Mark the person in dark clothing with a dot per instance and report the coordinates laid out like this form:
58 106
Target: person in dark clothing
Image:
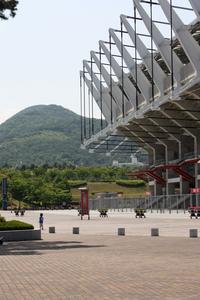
41 221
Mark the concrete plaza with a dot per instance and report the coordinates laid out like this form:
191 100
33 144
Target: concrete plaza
98 264
170 225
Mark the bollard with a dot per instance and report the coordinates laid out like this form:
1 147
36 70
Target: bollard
52 230
121 231
75 230
193 233
154 232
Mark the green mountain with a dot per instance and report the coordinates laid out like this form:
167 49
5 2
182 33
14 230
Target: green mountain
44 134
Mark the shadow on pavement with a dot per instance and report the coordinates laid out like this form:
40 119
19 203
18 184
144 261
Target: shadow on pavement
39 247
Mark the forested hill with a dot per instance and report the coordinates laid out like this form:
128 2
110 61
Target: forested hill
44 134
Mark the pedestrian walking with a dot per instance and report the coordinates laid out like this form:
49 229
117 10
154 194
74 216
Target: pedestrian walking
41 221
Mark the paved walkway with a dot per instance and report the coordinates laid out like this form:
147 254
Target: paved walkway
169 224
96 266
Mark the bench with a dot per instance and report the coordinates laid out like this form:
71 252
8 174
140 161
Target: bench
17 212
194 212
140 213
103 213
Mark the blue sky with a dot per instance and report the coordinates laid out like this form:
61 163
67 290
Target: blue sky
43 47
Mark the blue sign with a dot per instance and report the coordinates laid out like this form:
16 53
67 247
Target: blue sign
4 193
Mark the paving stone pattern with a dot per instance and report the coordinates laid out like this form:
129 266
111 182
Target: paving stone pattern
96 266
100 267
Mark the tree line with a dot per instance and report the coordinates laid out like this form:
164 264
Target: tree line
50 187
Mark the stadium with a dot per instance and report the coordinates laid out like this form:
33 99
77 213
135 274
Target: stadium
145 80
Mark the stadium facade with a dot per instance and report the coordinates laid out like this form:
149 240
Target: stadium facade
145 80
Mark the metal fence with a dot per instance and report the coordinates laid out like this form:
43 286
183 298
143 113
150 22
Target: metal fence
158 203
115 203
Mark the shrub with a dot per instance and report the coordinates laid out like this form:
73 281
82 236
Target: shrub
15 225
2 219
131 183
76 183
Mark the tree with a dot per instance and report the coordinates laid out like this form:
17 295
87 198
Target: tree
39 187
8 5
18 189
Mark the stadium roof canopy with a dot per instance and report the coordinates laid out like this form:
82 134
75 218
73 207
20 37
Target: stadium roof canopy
145 79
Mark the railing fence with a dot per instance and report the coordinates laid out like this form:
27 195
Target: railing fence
160 203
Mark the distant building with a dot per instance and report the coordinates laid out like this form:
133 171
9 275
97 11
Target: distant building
139 158
108 195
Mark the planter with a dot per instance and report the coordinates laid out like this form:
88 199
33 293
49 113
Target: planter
21 235
52 229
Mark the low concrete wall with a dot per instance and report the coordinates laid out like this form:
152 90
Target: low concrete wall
21 235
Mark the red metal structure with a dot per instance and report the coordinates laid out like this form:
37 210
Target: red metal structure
178 168
84 207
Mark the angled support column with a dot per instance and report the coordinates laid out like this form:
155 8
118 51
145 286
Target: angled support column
194 133
196 6
166 146
187 41
151 148
180 124
162 44
146 130
159 75
172 136
92 75
157 142
142 82
188 113
196 141
142 142
193 136
97 98
117 94
129 88
116 147
105 94
98 145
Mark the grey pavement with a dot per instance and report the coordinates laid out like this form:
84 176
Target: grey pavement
98 264
169 224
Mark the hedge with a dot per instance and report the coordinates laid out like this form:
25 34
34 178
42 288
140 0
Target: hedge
77 183
131 183
15 225
2 219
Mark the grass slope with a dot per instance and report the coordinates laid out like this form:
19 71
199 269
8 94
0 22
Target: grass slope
100 187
